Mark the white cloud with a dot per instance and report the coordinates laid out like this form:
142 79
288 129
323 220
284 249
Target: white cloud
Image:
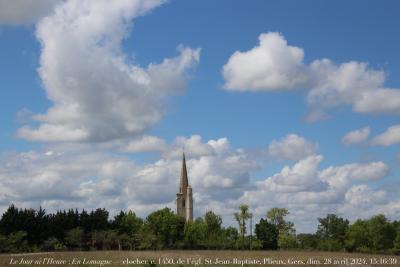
51 132
272 65
356 136
357 206
291 147
390 137
220 145
19 12
302 176
351 83
146 144
195 146
356 196
305 190
275 65
340 177
212 181
83 177
371 101
335 85
97 93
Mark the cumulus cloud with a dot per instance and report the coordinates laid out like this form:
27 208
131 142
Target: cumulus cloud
292 147
390 137
98 94
51 133
334 85
306 189
356 205
275 65
272 65
303 176
195 146
83 177
355 196
371 101
146 144
356 136
341 176
66 177
19 12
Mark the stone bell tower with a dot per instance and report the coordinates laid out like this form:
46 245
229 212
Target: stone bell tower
184 198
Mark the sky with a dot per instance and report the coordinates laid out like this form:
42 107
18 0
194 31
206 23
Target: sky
290 104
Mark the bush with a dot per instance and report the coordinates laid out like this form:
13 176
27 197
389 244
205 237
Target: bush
287 240
60 247
267 233
49 244
256 244
14 242
330 245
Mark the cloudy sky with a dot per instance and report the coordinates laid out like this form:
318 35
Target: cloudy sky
291 104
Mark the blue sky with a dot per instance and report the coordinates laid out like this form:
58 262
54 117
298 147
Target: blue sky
251 119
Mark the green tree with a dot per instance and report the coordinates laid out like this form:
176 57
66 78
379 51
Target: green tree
74 238
130 225
358 236
50 244
213 223
332 232
287 240
307 241
286 230
33 223
230 237
213 230
267 233
374 234
277 217
383 233
107 239
113 240
15 242
166 226
148 239
98 220
396 244
3 243
194 234
99 239
332 227
9 222
241 217
127 242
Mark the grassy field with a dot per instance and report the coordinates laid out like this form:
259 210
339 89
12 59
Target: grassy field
197 258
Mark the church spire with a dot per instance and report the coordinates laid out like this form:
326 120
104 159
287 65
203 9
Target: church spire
184 198
184 177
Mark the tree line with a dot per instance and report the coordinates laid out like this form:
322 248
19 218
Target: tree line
29 230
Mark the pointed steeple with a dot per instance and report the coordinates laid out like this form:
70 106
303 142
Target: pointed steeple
184 177
184 198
